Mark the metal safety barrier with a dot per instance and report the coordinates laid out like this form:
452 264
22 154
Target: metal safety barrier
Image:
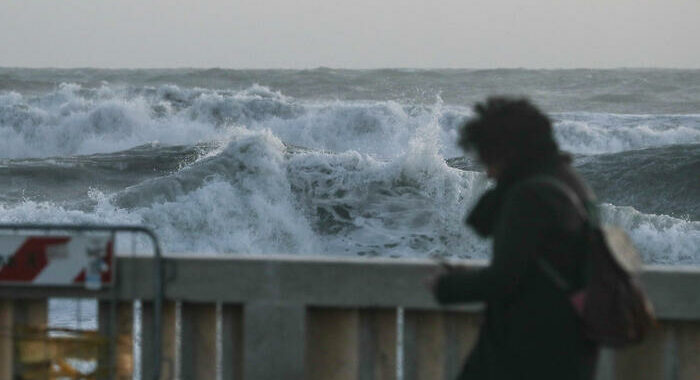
43 257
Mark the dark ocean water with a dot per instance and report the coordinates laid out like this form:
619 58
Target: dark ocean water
335 162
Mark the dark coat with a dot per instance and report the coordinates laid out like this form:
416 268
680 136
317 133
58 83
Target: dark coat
530 331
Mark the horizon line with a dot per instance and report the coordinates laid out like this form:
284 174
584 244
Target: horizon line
378 68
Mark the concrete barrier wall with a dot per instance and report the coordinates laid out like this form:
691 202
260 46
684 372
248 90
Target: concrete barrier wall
324 318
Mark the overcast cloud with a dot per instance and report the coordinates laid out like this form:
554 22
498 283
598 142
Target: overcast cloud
350 34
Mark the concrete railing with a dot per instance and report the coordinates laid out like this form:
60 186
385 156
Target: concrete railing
285 317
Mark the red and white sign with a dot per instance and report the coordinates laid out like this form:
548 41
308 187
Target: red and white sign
56 260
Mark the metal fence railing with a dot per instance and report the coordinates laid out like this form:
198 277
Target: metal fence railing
37 256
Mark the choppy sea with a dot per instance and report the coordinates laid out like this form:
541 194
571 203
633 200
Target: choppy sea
333 162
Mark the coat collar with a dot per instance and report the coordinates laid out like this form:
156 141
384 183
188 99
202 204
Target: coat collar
484 215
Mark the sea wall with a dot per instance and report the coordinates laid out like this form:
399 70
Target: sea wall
325 318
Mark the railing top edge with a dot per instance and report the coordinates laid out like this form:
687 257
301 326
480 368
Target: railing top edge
671 268
372 260
312 259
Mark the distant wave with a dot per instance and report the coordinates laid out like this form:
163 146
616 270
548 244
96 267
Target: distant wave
664 180
68 121
74 120
595 133
259 170
629 91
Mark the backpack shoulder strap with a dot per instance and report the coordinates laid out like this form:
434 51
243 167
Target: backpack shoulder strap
564 189
548 269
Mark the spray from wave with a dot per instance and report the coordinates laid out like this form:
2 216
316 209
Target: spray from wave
74 120
255 171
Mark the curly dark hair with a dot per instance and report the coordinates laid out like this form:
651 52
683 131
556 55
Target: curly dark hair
508 130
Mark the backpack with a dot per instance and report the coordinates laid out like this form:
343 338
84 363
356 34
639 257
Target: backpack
613 308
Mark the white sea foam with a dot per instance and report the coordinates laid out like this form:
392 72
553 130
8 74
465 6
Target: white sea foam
249 198
246 207
237 201
399 208
410 206
590 133
74 120
373 181
67 122
661 239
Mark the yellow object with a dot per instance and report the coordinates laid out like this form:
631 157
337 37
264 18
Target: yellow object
46 353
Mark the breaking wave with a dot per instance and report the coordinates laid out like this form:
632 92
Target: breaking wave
255 195
74 120
256 171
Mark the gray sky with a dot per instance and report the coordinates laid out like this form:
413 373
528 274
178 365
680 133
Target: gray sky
350 33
